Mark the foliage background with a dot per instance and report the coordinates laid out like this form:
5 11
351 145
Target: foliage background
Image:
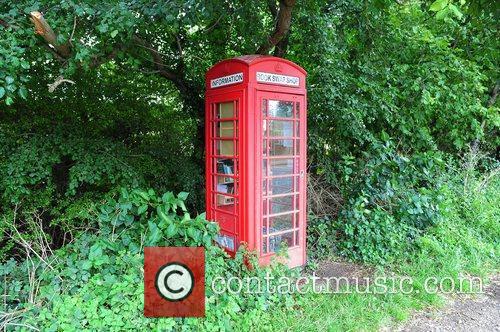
402 111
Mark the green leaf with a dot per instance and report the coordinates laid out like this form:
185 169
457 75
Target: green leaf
9 79
2 91
183 195
102 28
86 265
95 252
163 215
440 15
171 230
142 209
114 33
144 195
155 233
23 92
438 5
9 101
456 11
168 197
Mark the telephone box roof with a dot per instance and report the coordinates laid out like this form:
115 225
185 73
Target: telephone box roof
253 59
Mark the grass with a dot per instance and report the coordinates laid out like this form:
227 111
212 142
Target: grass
465 243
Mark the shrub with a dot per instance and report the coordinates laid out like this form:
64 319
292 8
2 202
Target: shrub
321 233
96 282
392 199
56 178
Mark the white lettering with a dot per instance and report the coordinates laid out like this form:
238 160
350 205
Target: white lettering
226 80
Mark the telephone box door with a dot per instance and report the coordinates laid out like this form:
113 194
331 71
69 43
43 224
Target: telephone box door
223 166
282 173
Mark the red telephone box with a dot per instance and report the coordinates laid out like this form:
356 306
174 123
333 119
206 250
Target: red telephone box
256 155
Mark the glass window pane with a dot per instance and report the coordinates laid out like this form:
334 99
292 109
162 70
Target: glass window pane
280 223
281 204
281 147
224 148
280 109
281 166
264 167
283 239
226 110
287 238
280 186
264 245
226 241
225 129
225 185
280 128
264 225
224 166
223 200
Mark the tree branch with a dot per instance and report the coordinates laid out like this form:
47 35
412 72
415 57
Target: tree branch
493 94
283 22
97 61
54 53
43 28
158 62
271 4
4 23
282 46
59 80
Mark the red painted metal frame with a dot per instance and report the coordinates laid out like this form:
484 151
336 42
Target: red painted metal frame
247 97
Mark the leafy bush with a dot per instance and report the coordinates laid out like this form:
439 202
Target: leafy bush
321 236
59 174
465 244
468 239
96 282
392 199
57 178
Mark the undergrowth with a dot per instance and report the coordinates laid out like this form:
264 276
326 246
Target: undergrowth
465 243
96 282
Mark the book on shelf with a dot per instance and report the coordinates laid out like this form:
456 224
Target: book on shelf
227 188
225 166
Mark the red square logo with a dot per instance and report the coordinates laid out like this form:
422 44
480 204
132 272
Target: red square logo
174 282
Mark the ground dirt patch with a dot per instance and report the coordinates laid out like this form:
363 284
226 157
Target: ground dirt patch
479 312
344 272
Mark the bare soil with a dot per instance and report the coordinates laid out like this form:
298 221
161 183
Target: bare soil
480 312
